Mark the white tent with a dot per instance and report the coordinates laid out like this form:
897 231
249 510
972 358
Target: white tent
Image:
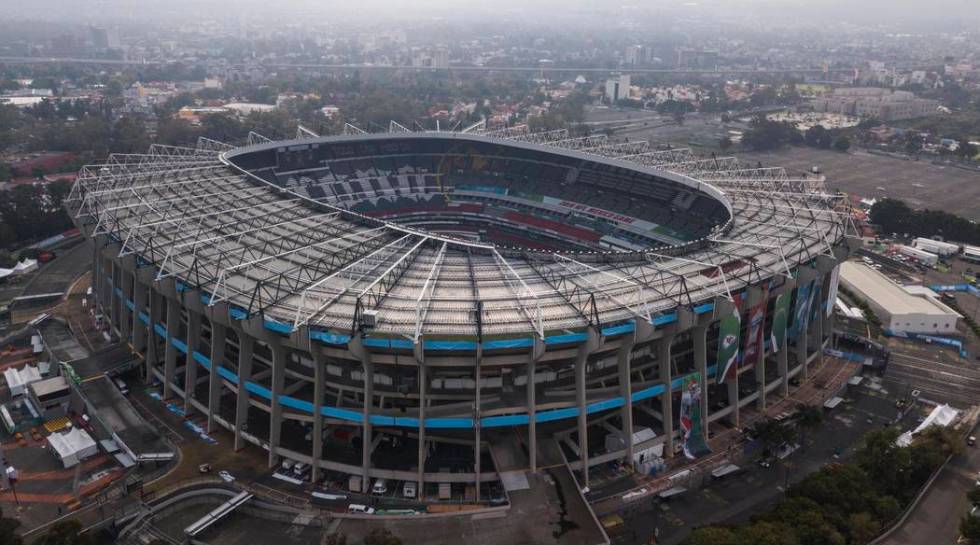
942 415
17 380
73 446
25 266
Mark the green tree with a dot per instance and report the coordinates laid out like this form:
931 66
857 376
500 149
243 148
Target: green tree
888 465
862 527
381 536
842 144
712 535
970 529
807 417
8 530
725 143
767 533
973 496
65 532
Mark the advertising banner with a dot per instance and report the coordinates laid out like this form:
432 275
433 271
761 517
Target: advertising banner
729 330
690 419
754 338
832 290
799 311
780 317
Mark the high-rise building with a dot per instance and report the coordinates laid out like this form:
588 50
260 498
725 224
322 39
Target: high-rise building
618 88
635 54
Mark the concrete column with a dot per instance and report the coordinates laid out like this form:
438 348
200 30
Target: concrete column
760 378
116 300
125 315
245 347
581 365
190 368
139 303
280 357
699 337
170 355
532 425
319 376
219 334
666 399
423 451
801 346
152 347
782 364
624 357
733 400
368 391
477 431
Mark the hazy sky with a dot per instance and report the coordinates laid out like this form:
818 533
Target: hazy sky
910 13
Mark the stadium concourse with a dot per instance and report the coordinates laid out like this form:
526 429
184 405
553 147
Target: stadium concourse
347 300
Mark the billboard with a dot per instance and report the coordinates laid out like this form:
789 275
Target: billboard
780 317
729 330
690 418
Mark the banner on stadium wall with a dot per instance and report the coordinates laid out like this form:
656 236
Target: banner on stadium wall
754 338
690 419
815 300
799 311
832 290
729 330
780 317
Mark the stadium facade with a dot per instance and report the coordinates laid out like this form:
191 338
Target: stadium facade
411 305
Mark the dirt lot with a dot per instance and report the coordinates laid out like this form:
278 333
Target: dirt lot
943 188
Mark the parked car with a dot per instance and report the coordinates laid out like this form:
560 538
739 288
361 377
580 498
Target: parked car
123 389
226 477
204 468
971 441
380 487
358 508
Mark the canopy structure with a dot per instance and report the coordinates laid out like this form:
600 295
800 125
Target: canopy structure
73 446
17 380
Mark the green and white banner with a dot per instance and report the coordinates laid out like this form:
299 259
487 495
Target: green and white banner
780 317
729 332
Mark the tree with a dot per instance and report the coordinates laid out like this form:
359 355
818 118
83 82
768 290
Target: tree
8 530
970 529
887 464
973 496
65 532
818 137
725 143
712 535
842 144
381 536
862 528
767 533
772 433
807 418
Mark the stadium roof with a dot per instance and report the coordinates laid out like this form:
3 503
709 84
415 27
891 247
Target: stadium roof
269 250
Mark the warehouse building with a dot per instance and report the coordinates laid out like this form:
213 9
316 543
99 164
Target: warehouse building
900 310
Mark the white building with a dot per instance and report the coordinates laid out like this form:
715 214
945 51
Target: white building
936 247
618 88
899 310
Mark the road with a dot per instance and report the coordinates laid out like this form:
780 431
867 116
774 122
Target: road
955 383
936 518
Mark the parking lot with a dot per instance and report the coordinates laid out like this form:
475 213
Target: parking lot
921 184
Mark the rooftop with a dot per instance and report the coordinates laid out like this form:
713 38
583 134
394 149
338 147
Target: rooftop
894 299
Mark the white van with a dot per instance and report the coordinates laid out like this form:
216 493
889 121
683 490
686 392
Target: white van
300 469
380 487
123 389
358 508
287 464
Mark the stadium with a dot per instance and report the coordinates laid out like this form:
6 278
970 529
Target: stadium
442 307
